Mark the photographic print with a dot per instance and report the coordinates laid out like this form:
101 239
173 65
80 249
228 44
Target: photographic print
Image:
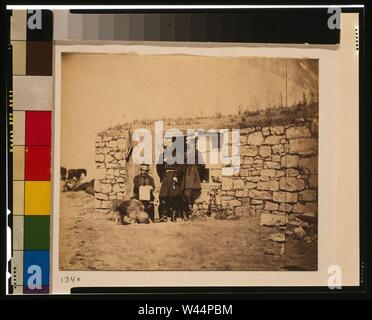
188 163
170 150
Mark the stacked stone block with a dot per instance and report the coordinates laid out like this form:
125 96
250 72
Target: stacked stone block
278 175
111 148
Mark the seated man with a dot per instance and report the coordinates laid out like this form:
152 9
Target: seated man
143 187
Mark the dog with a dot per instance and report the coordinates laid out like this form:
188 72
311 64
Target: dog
73 180
130 212
88 187
70 184
63 173
77 173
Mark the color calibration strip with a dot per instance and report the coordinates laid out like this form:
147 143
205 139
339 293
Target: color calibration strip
199 27
32 105
248 26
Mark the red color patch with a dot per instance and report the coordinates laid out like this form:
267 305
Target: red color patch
37 163
38 128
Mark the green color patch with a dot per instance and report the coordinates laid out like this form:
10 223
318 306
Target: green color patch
36 233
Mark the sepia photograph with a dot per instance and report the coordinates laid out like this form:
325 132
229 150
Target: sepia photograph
177 150
188 163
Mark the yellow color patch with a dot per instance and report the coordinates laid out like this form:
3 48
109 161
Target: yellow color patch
37 198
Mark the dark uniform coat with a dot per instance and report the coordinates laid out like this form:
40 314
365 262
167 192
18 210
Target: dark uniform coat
191 183
193 174
169 188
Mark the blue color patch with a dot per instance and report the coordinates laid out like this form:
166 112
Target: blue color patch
36 268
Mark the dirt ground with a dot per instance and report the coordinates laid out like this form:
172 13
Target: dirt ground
91 241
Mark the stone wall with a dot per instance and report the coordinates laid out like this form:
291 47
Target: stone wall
111 148
278 175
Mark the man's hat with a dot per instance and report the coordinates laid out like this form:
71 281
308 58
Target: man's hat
145 167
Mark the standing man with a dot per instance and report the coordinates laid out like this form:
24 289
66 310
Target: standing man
193 176
143 187
170 195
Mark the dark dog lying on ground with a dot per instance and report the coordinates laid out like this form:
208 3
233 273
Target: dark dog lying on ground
130 212
88 187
